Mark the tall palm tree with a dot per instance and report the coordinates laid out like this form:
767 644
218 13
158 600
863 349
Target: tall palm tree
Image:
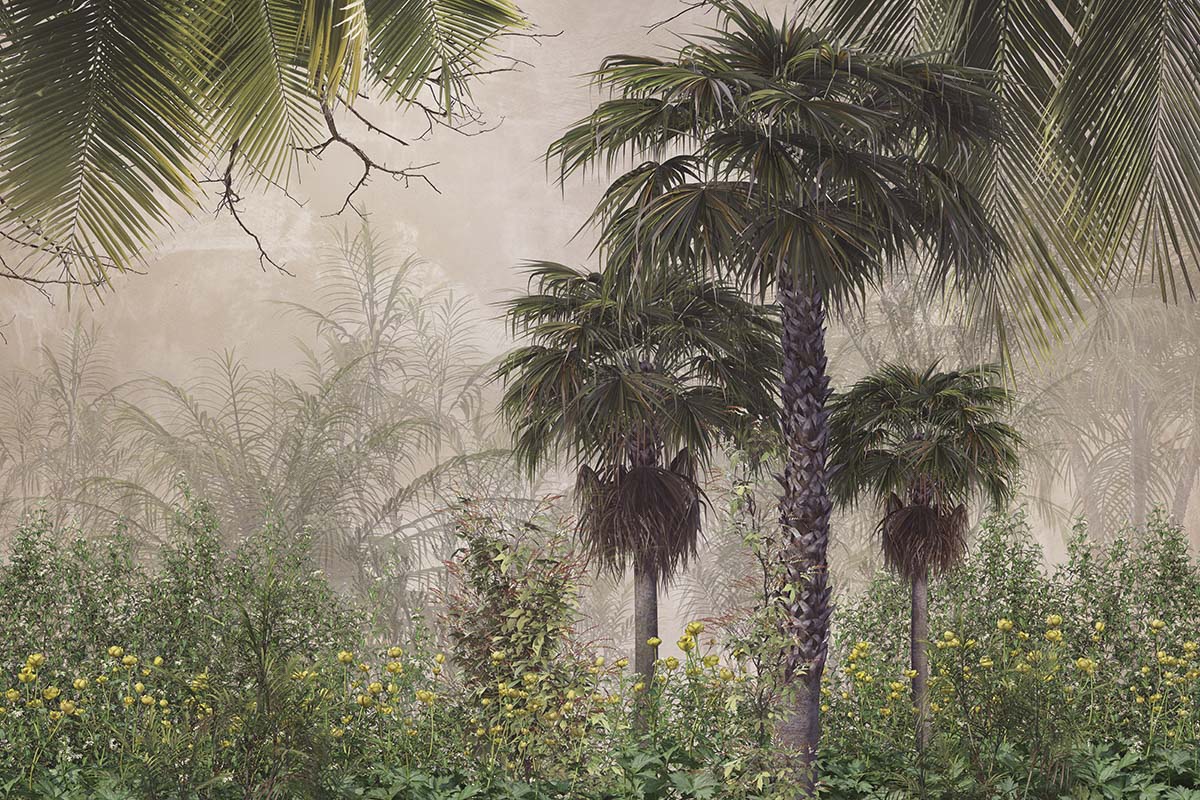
112 111
920 445
1102 111
802 167
637 387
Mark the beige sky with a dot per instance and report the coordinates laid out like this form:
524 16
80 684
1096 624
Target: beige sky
204 290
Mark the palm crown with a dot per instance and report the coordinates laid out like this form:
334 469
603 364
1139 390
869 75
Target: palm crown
922 444
772 153
614 378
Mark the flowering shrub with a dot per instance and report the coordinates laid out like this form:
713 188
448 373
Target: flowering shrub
1033 674
231 685
244 676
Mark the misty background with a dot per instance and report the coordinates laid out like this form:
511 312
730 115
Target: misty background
212 373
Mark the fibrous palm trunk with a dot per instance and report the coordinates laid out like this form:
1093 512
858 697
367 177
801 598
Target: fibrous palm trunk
644 449
804 510
645 619
919 647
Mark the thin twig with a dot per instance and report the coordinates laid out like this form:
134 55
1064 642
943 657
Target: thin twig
369 165
229 201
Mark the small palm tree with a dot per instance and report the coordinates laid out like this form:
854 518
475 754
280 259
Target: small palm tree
921 445
637 386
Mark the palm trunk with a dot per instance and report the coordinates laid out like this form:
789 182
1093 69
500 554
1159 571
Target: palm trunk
804 509
644 449
919 647
645 619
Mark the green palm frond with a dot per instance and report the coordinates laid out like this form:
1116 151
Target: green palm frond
111 110
263 91
1128 109
1096 176
102 125
441 44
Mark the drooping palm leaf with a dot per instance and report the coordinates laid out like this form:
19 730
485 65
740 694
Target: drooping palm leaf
102 126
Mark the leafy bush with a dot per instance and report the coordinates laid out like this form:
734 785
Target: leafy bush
1040 679
222 674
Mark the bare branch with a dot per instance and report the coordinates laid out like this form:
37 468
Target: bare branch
688 8
229 201
369 165
371 126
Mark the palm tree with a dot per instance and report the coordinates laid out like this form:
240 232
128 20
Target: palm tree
636 386
113 111
1102 110
798 166
921 445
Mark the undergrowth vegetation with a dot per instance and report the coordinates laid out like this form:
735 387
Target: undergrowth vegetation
239 673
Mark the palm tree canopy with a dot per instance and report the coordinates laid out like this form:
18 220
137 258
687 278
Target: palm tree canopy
614 376
690 360
941 432
765 151
112 110
921 444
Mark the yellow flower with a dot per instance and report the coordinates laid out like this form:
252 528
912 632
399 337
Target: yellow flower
1099 626
346 657
497 656
985 662
711 660
395 667
139 687
726 674
599 662
12 695
1190 647
694 628
948 636
364 701
128 701
26 675
129 661
1054 635
35 660
80 684
395 652
1004 625
55 716
687 643
1157 625
116 652
910 673
375 688
426 697
364 667
336 733
51 692
639 687
654 641
158 661
1085 665
147 700
672 662
1054 620
622 663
